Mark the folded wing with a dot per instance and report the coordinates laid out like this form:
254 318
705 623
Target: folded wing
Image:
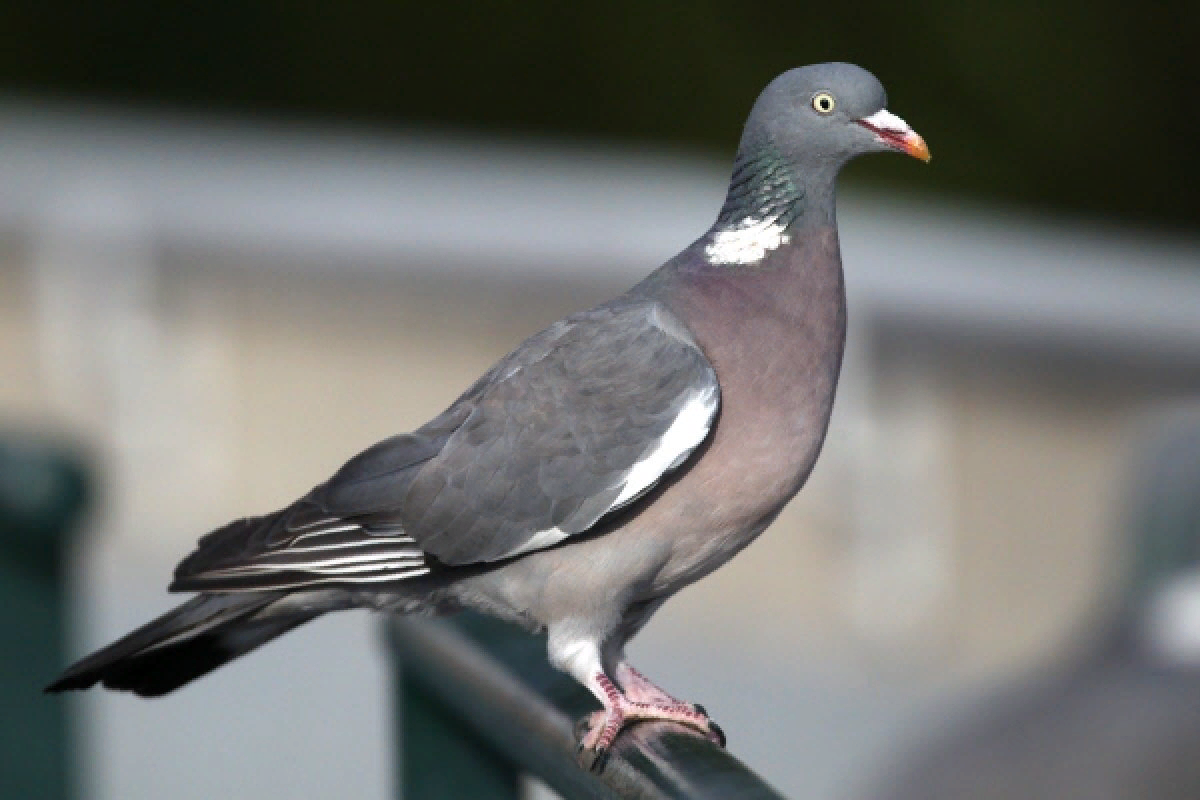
583 419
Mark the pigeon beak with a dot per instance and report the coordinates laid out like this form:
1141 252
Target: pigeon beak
894 132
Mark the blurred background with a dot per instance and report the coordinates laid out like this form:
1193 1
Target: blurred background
240 242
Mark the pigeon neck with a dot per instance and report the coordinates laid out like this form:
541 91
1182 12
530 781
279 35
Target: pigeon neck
769 202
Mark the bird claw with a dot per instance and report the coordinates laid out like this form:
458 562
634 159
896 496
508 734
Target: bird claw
715 734
592 751
597 732
593 761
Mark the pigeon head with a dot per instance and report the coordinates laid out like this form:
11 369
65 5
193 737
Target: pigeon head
803 128
819 117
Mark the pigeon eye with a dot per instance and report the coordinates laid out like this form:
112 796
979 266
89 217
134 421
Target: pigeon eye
823 103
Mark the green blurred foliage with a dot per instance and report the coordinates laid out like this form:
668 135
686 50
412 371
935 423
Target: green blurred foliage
1080 106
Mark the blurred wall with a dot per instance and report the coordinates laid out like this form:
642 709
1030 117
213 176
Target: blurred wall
1067 105
220 332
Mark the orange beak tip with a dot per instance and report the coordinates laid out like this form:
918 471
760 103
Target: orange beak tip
915 146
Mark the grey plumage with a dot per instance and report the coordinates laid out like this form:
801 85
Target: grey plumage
187 642
513 470
495 470
610 459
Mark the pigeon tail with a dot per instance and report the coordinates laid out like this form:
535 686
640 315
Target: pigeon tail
184 644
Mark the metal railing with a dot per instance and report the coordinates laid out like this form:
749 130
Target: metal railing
478 705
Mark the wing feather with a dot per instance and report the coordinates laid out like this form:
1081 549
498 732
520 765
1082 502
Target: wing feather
587 421
581 420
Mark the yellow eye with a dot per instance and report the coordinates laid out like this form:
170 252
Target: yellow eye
823 103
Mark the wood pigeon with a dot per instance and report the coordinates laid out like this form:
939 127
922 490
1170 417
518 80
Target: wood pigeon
603 465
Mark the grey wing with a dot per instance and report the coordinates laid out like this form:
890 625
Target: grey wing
581 420
580 423
316 541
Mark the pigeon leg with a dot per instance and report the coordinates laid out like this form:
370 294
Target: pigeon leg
638 687
645 696
582 660
603 726
620 711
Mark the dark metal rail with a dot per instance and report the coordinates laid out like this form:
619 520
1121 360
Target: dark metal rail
479 705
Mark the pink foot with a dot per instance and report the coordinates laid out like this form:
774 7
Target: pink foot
620 711
603 726
639 689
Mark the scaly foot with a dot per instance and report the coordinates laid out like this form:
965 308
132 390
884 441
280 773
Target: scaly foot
620 711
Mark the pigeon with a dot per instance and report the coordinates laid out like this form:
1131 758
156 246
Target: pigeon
1121 719
607 462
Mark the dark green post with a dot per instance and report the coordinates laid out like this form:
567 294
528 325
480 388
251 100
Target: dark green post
442 756
1165 516
42 492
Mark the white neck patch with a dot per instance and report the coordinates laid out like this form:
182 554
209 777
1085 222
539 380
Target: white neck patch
747 242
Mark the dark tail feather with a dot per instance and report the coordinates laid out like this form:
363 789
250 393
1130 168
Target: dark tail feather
185 643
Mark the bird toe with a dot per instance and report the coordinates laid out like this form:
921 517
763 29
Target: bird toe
716 734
